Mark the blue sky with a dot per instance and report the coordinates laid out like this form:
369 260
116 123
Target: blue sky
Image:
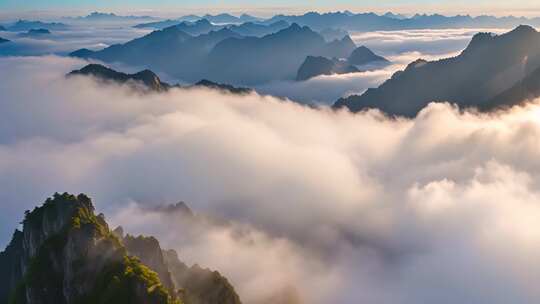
498 7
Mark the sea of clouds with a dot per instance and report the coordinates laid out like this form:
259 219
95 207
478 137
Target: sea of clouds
319 206
400 47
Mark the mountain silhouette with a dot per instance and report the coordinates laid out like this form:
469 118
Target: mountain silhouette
276 56
374 22
36 33
25 25
257 29
170 50
362 56
110 17
318 65
489 66
224 55
216 20
148 81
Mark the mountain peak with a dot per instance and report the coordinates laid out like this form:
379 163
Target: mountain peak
146 77
362 55
203 21
295 27
524 29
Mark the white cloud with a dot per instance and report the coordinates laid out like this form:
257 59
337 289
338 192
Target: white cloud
345 208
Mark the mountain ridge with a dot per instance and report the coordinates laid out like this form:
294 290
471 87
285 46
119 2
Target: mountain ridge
487 67
147 81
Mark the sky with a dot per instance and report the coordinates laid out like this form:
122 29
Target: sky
268 7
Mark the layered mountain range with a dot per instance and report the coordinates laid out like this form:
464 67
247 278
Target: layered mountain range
494 71
203 26
223 55
26 25
215 19
65 253
373 22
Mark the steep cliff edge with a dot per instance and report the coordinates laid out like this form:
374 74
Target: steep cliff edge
67 254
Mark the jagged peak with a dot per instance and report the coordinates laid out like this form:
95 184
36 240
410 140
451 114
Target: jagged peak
147 77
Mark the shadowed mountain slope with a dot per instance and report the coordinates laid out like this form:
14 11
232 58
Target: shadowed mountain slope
487 67
272 57
315 66
223 55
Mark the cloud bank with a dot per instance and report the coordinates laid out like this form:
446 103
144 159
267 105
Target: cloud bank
319 206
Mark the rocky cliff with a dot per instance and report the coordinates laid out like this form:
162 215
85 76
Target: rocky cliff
67 254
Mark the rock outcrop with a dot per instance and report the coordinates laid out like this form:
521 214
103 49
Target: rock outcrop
65 254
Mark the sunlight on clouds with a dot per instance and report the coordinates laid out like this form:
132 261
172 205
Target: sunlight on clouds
333 205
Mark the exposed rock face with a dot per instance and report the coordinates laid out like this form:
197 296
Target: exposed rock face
148 250
66 254
198 285
489 66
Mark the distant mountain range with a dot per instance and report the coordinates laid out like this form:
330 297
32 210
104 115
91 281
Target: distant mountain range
222 18
203 26
65 253
276 56
25 25
492 72
389 21
358 60
148 81
368 21
100 17
219 21
36 33
224 55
